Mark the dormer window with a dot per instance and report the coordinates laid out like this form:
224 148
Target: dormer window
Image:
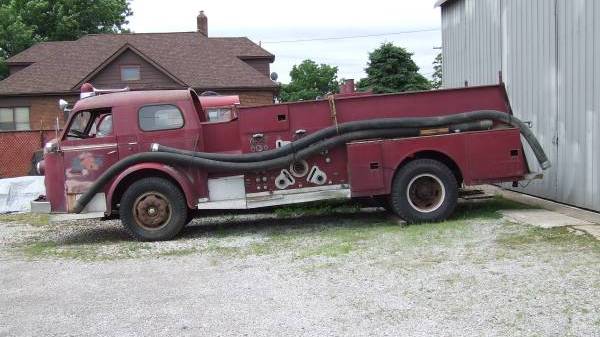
130 73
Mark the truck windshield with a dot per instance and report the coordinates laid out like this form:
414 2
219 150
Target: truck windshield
79 125
90 124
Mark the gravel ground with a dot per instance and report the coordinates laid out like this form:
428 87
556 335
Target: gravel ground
336 271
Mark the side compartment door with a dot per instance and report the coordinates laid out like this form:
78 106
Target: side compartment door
365 168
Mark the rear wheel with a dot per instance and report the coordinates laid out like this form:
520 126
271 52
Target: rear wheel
153 209
424 190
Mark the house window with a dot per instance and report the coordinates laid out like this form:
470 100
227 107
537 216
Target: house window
130 73
14 119
160 117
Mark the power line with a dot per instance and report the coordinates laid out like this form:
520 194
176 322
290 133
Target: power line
354 36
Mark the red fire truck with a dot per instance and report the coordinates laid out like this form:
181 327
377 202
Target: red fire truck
154 158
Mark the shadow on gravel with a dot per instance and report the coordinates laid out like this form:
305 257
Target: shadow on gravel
105 233
240 225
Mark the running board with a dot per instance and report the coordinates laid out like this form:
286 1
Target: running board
282 197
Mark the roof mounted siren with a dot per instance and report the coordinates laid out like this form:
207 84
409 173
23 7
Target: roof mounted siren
88 90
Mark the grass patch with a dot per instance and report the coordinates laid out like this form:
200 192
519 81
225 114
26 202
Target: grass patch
486 209
33 219
557 237
84 251
46 249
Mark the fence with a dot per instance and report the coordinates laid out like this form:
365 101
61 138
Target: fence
17 149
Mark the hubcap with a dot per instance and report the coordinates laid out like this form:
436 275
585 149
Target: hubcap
426 193
152 210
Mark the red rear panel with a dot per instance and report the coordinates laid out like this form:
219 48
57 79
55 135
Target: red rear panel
482 157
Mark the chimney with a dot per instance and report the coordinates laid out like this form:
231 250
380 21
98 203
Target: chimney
202 23
347 87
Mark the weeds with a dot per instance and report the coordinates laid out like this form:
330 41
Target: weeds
26 218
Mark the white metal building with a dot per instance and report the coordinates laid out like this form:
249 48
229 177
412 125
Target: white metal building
548 52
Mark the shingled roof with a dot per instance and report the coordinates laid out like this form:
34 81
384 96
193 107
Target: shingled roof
189 58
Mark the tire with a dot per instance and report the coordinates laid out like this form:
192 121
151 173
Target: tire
424 190
153 209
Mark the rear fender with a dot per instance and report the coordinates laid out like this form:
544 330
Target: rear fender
183 182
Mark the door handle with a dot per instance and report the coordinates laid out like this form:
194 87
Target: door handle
132 143
112 152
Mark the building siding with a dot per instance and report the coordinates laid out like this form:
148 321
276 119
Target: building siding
471 42
260 65
150 77
547 53
579 102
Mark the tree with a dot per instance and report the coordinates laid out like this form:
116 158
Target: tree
26 22
391 69
436 81
309 80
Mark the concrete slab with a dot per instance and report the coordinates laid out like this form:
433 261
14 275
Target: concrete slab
542 218
593 230
571 211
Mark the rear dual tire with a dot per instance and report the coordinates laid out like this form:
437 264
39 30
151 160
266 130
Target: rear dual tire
424 190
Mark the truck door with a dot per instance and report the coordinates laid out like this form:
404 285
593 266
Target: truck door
89 147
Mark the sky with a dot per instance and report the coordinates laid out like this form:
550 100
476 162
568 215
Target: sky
271 23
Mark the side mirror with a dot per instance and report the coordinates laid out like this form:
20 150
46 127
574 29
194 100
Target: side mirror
62 104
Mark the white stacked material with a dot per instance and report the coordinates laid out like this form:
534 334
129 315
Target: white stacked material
16 194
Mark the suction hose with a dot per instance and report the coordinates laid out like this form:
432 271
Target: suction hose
301 143
458 121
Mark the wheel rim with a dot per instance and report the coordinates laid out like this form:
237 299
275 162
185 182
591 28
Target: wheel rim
152 211
426 193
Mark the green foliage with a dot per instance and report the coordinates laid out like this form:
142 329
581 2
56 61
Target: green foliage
26 22
436 82
391 69
309 80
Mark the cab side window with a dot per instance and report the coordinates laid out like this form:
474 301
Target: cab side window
104 127
160 117
219 114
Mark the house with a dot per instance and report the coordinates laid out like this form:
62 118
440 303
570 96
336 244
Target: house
49 71
547 53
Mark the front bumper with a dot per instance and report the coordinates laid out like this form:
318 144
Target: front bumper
41 206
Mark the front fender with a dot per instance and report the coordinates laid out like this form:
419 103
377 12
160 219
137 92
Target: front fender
182 180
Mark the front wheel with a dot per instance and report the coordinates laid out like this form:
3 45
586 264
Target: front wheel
424 190
153 209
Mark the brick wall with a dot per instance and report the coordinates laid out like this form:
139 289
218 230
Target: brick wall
252 98
18 147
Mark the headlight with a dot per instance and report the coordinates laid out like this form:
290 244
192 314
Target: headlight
40 167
